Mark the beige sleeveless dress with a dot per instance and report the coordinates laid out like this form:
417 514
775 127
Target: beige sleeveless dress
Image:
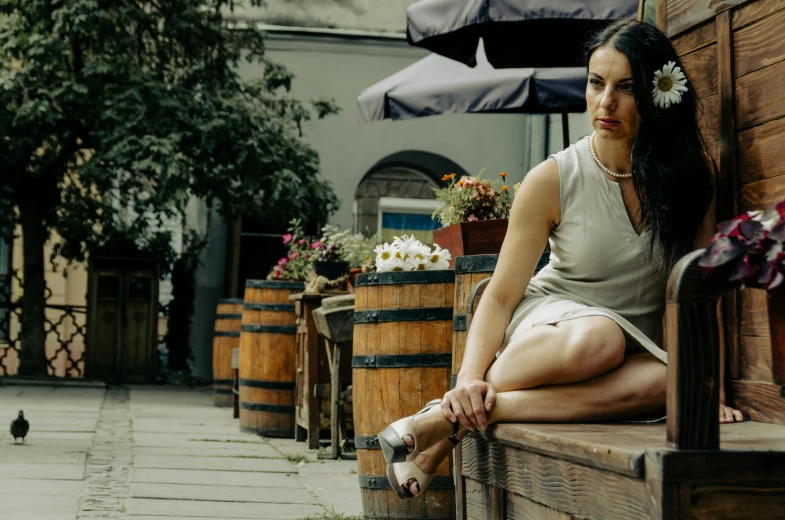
599 265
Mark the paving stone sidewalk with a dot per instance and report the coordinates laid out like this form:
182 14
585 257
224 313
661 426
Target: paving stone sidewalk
156 453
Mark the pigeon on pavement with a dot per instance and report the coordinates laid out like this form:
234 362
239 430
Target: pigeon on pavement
20 427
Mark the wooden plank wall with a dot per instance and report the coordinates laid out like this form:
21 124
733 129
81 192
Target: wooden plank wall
734 53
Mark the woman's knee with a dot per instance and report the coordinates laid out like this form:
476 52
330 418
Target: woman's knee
596 343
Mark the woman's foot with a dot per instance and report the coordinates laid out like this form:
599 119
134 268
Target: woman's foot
431 427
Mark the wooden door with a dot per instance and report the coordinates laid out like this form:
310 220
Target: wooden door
106 333
140 349
123 313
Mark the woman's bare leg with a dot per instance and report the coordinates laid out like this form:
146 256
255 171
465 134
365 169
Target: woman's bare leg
638 386
568 352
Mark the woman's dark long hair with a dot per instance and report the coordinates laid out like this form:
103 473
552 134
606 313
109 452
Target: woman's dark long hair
671 175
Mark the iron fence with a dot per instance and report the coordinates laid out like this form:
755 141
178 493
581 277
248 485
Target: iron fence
65 328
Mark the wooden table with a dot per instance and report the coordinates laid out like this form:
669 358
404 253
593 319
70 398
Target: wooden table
312 381
335 323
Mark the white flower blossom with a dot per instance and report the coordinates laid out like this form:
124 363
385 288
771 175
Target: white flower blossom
670 83
440 258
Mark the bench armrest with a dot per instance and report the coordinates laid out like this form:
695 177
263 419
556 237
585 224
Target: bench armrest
692 340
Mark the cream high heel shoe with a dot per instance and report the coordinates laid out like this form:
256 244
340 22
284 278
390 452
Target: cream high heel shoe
400 473
391 438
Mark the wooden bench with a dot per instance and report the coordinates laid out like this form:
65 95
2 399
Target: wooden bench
681 469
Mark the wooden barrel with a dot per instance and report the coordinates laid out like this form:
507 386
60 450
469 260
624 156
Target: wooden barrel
267 358
226 337
469 271
401 360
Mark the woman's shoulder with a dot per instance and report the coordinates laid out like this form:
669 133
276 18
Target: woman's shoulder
575 153
573 164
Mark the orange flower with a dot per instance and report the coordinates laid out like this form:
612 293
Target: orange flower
505 188
448 176
460 182
503 175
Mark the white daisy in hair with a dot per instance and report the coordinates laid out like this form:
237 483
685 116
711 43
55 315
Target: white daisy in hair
669 85
440 258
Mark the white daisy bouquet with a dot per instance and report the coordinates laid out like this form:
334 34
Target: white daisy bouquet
409 254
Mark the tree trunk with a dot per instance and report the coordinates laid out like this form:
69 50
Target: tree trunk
33 337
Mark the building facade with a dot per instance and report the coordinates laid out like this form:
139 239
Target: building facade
383 173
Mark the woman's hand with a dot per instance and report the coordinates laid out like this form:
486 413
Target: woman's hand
729 415
468 403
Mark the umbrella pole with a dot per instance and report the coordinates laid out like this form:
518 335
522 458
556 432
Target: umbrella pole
565 129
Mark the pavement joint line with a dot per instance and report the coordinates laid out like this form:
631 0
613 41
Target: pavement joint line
109 461
301 480
203 470
227 501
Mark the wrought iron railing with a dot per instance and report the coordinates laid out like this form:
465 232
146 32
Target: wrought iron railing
65 327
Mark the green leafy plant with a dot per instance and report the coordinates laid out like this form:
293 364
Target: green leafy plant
115 115
355 248
472 198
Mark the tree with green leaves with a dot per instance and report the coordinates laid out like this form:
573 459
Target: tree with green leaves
114 113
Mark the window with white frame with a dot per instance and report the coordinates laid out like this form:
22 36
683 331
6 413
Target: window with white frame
401 216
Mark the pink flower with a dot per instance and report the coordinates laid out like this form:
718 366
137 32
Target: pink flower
471 218
295 255
287 238
301 242
316 245
283 261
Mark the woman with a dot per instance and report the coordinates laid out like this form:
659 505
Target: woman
619 208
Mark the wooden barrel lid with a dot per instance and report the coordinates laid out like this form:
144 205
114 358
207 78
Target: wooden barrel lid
281 307
275 284
475 264
404 277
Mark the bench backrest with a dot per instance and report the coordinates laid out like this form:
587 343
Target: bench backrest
741 85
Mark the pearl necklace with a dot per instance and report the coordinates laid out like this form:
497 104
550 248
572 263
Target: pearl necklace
605 168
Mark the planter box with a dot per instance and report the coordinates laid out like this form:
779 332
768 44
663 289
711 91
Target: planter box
481 237
332 270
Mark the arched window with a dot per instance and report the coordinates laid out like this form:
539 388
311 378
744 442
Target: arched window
396 197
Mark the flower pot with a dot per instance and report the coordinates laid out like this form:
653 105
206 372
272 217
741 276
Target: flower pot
354 272
330 269
481 237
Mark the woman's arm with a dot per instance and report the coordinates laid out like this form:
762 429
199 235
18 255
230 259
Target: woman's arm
535 212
